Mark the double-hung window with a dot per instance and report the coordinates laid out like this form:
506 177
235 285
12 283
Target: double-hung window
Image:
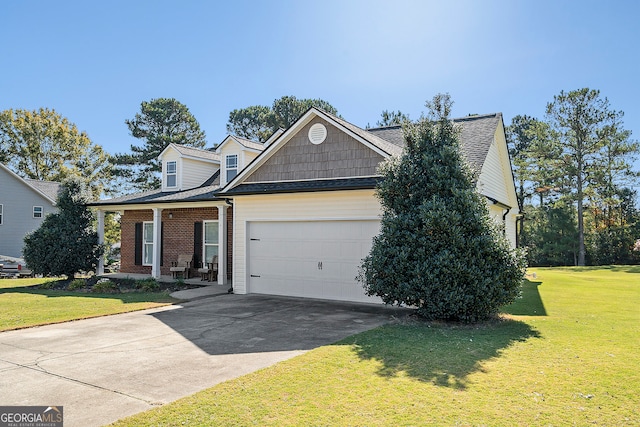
172 174
231 163
37 211
147 243
210 247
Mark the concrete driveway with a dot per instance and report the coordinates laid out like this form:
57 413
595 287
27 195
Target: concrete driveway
106 368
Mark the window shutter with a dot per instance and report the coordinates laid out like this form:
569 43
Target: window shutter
197 242
138 244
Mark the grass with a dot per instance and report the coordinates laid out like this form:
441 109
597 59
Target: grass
23 304
565 354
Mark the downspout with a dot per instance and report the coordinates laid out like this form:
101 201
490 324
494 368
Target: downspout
506 209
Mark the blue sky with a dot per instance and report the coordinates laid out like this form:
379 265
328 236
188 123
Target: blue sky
95 62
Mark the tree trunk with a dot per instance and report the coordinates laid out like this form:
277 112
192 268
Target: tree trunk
581 249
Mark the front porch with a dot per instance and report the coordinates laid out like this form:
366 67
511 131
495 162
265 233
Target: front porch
168 279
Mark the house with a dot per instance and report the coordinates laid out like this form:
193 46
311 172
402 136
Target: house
23 205
295 215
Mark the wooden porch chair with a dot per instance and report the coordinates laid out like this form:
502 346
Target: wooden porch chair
183 265
209 271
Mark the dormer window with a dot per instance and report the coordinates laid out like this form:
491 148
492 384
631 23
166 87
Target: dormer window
172 175
231 163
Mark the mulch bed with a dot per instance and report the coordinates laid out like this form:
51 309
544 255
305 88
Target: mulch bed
115 285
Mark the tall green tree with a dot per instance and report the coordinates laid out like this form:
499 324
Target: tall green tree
160 122
438 248
259 122
66 242
43 145
584 125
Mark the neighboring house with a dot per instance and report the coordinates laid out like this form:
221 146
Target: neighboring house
23 205
295 215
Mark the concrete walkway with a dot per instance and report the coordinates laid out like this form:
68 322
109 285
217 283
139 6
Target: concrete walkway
104 369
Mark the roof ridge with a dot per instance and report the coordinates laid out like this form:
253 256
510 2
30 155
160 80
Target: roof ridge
373 139
476 116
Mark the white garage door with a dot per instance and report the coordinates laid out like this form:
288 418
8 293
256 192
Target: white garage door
314 259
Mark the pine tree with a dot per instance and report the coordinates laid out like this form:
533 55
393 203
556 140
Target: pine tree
438 248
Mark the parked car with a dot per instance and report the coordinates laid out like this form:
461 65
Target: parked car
13 268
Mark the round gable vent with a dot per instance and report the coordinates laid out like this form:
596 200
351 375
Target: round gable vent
317 133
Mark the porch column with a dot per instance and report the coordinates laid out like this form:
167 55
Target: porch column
222 244
100 269
157 234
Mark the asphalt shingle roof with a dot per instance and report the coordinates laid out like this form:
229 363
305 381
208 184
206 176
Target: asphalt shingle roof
476 136
305 186
48 188
196 152
206 191
248 143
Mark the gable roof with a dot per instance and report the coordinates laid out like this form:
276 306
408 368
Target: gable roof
476 136
206 191
193 153
377 144
244 142
47 189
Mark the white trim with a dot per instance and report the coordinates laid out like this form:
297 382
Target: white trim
314 218
222 244
174 174
227 169
235 140
157 243
144 244
186 156
100 269
204 241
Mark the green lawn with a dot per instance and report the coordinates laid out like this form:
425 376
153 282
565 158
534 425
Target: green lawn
23 306
568 353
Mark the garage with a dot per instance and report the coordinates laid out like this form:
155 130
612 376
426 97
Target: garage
313 259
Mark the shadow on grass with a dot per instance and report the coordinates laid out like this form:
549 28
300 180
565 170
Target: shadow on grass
530 303
126 298
617 268
442 354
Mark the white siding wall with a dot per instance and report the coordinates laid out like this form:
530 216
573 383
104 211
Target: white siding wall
496 181
191 172
194 172
331 205
491 180
17 200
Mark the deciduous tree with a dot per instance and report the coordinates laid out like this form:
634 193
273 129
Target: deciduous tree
43 145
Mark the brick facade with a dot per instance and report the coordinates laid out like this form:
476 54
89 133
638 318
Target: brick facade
177 236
